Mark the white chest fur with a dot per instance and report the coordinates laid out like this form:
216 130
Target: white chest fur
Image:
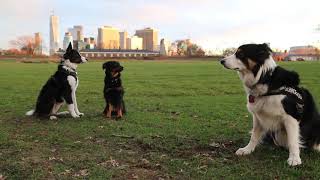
269 111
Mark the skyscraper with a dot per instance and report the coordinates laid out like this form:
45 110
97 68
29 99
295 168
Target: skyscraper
38 43
164 47
134 42
108 38
54 34
67 39
123 39
77 32
150 38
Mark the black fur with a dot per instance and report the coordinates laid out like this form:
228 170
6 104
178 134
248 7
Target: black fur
54 91
113 89
57 88
73 55
309 117
255 52
275 78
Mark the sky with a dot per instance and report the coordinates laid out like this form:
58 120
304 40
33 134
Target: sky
213 24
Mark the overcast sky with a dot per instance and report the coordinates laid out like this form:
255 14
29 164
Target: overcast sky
211 23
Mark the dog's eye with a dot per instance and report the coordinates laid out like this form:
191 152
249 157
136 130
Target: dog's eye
240 55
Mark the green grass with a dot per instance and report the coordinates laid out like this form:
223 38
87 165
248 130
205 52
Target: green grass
185 120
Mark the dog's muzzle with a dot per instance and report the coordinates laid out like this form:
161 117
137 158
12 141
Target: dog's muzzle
119 69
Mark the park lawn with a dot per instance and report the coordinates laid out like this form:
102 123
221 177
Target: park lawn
185 120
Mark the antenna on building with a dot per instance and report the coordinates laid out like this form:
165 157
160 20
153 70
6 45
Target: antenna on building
52 12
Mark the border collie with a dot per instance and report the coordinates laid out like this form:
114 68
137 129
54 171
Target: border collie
113 90
60 87
280 108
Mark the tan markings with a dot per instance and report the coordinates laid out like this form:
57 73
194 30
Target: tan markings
251 64
109 111
115 74
119 113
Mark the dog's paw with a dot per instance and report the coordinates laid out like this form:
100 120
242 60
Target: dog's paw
63 113
244 151
80 114
75 116
53 117
294 160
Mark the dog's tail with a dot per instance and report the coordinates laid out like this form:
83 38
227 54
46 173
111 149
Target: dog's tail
310 123
310 110
30 113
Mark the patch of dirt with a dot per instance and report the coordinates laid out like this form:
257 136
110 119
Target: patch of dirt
142 173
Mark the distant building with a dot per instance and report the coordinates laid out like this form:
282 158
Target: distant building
123 39
92 43
67 39
75 44
173 49
76 32
164 47
38 43
134 42
115 53
302 50
150 38
54 34
89 43
92 40
86 40
81 45
300 53
108 38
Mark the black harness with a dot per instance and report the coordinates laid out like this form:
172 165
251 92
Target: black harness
292 92
67 72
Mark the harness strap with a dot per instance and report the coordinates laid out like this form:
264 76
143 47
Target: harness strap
289 91
67 72
286 91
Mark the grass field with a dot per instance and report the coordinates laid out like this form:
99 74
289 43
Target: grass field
185 120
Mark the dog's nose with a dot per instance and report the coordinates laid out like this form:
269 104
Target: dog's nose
222 61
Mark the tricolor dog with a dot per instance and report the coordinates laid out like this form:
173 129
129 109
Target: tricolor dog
113 90
280 108
60 87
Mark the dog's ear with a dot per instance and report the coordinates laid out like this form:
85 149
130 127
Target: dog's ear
266 46
69 47
263 53
105 65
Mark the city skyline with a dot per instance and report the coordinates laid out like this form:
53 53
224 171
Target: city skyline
211 24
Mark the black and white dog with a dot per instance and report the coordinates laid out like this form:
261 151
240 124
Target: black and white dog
60 87
280 108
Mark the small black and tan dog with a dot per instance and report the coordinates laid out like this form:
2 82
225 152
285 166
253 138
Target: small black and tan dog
113 90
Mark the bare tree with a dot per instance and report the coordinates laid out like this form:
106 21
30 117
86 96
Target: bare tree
24 43
228 51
